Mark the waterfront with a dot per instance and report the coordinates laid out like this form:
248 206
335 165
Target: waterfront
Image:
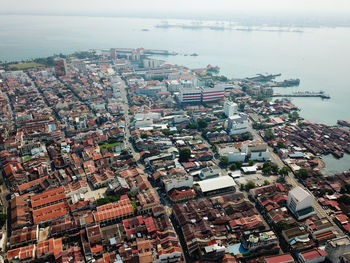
319 57
334 165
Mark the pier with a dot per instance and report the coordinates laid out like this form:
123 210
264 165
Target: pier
320 94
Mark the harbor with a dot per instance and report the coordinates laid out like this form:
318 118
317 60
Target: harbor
307 94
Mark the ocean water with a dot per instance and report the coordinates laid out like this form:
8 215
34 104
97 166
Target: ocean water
319 57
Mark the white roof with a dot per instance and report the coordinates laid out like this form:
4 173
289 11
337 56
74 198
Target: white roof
249 169
299 193
216 183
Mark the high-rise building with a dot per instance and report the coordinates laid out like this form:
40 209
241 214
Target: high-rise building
113 54
211 94
238 124
60 66
190 95
230 108
300 203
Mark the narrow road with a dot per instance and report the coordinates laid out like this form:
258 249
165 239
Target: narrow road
290 179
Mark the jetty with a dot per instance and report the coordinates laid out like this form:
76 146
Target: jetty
320 94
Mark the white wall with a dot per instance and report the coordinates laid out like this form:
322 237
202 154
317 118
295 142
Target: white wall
177 182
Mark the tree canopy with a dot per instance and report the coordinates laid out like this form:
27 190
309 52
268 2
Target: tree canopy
184 155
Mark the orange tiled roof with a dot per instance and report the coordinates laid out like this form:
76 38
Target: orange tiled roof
50 212
27 252
113 210
47 197
51 246
29 184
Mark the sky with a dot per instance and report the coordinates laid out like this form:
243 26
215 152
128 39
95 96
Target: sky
169 7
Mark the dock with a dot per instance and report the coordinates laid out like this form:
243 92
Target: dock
320 94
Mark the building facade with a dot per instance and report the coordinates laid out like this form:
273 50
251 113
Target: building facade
300 203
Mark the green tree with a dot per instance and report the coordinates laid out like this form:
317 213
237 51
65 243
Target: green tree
274 168
144 135
250 185
284 171
233 167
193 126
268 134
224 161
344 199
184 155
241 107
293 116
202 123
134 206
267 170
302 174
281 144
251 162
238 164
266 182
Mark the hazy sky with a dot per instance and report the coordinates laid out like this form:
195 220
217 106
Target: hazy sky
168 7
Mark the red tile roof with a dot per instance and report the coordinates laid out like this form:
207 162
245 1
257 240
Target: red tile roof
50 212
48 197
49 247
27 252
113 210
286 258
313 254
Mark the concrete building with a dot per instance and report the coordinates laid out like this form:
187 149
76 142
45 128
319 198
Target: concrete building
60 66
230 108
255 241
173 85
336 248
190 95
151 63
216 185
210 172
150 90
256 151
234 154
238 124
211 94
300 203
239 152
178 182
113 54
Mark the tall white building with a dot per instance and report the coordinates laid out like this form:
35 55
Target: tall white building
238 124
300 203
230 108
151 63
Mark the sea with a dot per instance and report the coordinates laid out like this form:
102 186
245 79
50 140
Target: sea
319 57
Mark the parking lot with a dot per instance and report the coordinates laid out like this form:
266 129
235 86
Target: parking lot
258 178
